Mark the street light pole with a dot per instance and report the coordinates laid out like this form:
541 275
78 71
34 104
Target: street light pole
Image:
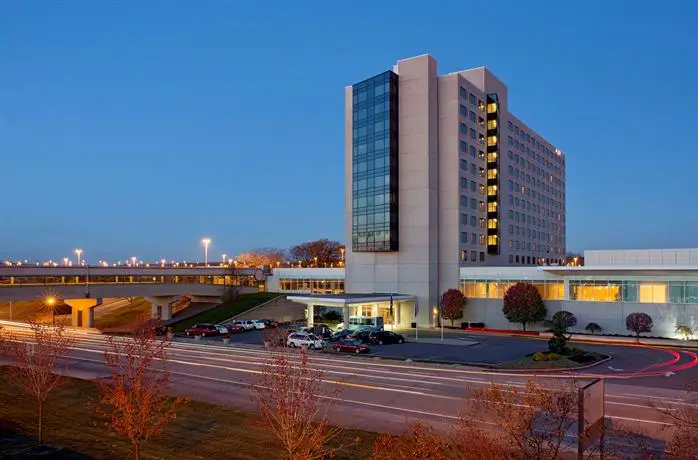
206 242
78 252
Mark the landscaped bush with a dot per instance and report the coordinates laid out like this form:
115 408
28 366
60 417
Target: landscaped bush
565 318
685 332
552 357
477 325
464 325
523 304
593 328
638 323
538 356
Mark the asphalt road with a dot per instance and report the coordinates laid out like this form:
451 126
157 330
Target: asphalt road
380 394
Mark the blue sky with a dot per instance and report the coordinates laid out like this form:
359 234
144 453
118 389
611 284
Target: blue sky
137 128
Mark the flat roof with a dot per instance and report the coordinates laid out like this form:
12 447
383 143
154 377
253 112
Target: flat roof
351 298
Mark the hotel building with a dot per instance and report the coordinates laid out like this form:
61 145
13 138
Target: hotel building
440 175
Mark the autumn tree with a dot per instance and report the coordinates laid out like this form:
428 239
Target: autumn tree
523 304
637 323
295 405
34 361
135 397
318 253
261 257
452 303
533 420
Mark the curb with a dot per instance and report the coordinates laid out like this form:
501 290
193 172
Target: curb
556 369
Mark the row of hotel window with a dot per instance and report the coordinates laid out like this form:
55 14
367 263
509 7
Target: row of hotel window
238 280
678 292
474 100
527 138
555 174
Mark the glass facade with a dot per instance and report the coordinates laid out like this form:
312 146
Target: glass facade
495 289
492 176
375 164
313 286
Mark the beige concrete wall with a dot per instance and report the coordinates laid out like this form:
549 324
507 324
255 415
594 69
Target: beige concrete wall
449 183
635 257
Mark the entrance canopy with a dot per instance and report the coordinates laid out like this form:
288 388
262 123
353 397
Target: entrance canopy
345 300
398 313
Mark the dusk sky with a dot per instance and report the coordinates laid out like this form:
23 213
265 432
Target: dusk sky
137 128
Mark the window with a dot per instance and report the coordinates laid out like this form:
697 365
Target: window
463 111
511 229
510 126
492 190
492 206
464 256
463 237
472 134
473 202
482 238
463 93
482 222
473 168
492 240
480 105
463 164
482 189
463 129
481 154
464 219
492 173
492 107
463 182
473 238
464 200
463 147
472 99
472 221
472 151
492 223
472 116
473 256
483 206
472 186
481 172
482 257
511 214
510 140
511 155
491 157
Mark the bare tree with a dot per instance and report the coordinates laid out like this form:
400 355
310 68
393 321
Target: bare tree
33 359
295 405
261 257
318 253
135 397
534 420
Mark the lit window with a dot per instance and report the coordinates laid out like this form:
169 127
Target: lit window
492 107
492 240
481 105
482 189
492 173
492 207
483 206
491 157
481 155
482 222
482 239
492 141
492 223
464 256
492 190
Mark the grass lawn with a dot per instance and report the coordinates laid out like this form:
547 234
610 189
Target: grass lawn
25 309
200 430
527 362
125 315
226 310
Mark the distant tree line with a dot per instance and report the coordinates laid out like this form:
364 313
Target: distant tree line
318 253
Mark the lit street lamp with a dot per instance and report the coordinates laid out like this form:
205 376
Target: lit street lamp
65 261
225 256
133 261
51 303
78 252
206 242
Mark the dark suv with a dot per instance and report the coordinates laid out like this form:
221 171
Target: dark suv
385 337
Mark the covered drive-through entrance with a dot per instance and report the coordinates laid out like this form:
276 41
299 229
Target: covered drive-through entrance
397 310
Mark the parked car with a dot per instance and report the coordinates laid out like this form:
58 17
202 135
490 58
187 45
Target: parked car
350 345
340 335
385 337
234 328
246 324
298 339
202 329
222 330
159 330
361 336
270 323
258 324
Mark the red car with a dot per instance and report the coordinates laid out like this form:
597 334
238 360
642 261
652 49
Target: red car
353 346
233 328
202 329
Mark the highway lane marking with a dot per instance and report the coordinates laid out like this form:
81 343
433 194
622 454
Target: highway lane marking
256 372
638 420
634 405
652 397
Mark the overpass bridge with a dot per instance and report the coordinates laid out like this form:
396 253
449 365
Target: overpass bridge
84 287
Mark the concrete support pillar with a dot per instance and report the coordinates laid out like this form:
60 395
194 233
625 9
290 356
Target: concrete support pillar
83 311
566 287
346 313
161 307
311 315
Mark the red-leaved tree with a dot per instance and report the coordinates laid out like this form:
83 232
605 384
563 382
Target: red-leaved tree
135 398
34 357
523 304
452 303
637 323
